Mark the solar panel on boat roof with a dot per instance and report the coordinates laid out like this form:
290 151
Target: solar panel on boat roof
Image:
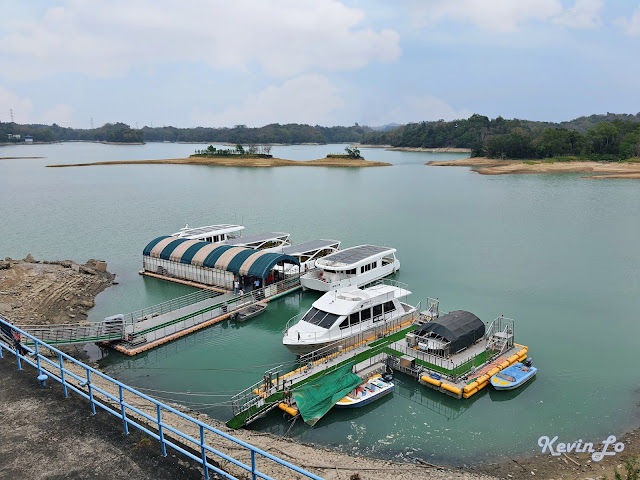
211 228
355 254
261 237
308 246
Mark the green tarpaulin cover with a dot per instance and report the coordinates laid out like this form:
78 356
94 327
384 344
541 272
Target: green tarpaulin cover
316 398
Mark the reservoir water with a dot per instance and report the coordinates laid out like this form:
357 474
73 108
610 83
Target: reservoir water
557 253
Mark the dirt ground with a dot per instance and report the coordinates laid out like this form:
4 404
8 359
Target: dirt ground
243 162
45 436
489 166
42 293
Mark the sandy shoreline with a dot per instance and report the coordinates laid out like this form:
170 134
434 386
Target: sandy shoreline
242 162
489 166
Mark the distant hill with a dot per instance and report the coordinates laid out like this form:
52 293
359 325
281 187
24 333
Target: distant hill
387 127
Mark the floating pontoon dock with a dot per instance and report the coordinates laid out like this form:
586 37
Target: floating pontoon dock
460 375
142 330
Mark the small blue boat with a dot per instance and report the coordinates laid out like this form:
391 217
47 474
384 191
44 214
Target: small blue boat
513 376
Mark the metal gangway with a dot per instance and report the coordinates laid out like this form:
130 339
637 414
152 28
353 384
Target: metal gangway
112 328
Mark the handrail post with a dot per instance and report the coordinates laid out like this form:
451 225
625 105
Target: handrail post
123 412
203 452
93 405
62 380
160 433
18 356
37 358
253 465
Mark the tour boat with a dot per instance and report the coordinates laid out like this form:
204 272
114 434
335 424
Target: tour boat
306 253
210 233
338 315
513 376
373 389
352 267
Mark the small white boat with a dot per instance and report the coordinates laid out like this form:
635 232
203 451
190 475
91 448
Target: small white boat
346 313
250 311
369 391
352 267
307 253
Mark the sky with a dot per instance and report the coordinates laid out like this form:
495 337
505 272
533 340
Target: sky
218 63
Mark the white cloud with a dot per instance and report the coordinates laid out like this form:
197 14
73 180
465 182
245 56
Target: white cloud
105 39
631 26
23 110
309 99
506 16
584 14
411 109
427 108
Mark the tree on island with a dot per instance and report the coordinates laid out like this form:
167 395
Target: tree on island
353 153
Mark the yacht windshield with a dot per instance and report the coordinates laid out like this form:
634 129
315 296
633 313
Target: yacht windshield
320 318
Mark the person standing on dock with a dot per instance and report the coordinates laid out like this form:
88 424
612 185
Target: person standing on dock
256 284
236 286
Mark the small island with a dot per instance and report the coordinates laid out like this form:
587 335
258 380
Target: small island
239 157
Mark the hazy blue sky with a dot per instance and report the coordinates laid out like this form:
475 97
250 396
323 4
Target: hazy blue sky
220 63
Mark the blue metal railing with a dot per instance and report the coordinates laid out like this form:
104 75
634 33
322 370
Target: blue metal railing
57 371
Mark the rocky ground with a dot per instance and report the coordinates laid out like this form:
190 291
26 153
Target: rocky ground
43 293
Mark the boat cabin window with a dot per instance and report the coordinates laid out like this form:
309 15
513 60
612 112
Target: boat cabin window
389 307
351 271
377 312
354 318
208 239
369 266
320 318
365 315
328 270
344 324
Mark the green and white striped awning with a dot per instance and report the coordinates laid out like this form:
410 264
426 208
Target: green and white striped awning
239 260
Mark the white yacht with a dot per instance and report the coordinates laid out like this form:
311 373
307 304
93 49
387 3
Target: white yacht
338 315
352 267
210 233
307 253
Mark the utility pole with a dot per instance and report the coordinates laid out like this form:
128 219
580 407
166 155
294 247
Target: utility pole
91 123
11 113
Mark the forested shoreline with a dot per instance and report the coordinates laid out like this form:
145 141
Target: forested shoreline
610 137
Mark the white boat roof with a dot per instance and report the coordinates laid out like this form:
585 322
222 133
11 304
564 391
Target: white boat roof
354 255
343 302
309 247
210 229
260 237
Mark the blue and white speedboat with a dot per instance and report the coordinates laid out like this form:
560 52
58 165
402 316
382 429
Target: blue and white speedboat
513 376
365 393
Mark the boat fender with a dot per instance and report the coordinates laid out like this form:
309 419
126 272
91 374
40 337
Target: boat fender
471 386
504 364
451 388
522 357
483 379
482 385
473 391
291 411
513 359
430 380
493 371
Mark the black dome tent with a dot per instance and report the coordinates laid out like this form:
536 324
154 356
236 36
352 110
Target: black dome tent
460 328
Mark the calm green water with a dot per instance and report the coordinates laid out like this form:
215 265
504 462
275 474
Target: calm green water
557 253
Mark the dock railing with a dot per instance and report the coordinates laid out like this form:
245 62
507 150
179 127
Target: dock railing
136 409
